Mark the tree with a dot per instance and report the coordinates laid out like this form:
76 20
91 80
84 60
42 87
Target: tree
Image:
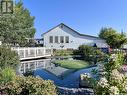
113 38
8 58
17 27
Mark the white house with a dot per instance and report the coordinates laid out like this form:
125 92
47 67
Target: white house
64 37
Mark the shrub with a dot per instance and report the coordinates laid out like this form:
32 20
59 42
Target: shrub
116 60
90 54
36 86
114 84
8 58
112 81
6 75
63 52
16 85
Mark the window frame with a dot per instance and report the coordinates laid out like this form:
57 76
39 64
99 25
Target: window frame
61 39
56 39
67 39
50 39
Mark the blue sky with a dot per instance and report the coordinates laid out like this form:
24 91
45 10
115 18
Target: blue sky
85 16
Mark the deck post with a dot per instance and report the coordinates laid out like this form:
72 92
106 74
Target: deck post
34 52
18 51
24 68
51 51
28 65
24 52
35 65
44 51
28 51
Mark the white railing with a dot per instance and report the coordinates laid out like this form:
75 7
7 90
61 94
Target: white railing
32 52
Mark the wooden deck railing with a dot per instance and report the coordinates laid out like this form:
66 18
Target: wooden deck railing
32 52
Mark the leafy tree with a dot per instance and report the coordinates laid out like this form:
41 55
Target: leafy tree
8 58
17 27
113 38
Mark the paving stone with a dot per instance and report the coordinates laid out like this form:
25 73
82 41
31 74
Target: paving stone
75 91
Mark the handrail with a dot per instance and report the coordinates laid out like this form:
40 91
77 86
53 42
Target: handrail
32 52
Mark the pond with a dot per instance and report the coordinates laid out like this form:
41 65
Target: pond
45 69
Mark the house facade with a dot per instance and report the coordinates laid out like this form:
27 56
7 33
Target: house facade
64 37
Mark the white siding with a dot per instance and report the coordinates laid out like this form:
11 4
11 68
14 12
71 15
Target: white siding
74 39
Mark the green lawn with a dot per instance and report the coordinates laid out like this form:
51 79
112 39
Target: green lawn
72 64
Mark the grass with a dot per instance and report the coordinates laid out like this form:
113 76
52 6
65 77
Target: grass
72 64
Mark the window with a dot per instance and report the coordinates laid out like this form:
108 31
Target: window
67 39
51 39
56 39
61 39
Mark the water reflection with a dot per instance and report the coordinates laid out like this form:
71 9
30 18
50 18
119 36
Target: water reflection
45 64
47 70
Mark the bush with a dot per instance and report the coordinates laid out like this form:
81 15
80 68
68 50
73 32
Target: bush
8 58
15 85
90 54
36 86
112 81
63 52
6 75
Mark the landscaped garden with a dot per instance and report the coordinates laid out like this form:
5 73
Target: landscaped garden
88 56
72 64
13 84
112 76
111 80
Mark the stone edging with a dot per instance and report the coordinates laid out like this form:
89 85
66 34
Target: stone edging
75 91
